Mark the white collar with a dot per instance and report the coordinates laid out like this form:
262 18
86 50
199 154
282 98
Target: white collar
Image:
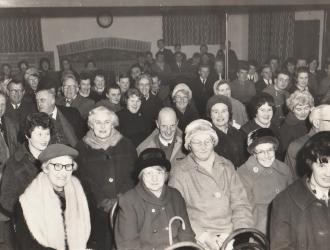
164 142
54 113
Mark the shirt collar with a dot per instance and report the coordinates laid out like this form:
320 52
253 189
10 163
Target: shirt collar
54 114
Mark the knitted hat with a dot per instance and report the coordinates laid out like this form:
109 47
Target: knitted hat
56 150
180 87
261 135
199 126
152 157
218 99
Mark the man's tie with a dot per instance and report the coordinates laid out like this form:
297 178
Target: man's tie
68 103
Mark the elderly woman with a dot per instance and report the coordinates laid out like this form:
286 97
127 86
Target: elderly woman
183 105
132 122
300 214
231 141
24 166
262 175
145 211
106 165
296 123
239 117
216 199
53 212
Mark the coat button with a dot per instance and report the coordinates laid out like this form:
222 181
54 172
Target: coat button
256 169
153 210
277 190
155 231
110 180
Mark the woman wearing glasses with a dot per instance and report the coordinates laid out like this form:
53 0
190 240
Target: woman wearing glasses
53 212
182 104
216 200
262 175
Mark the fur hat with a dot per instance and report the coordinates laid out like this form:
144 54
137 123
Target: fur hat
218 99
152 157
199 126
56 150
261 135
179 87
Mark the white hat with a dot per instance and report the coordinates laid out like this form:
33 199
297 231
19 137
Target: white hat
199 126
180 87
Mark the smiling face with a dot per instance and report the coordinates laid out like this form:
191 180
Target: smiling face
114 95
39 138
59 178
167 124
301 111
144 86
264 114
181 100
133 104
265 154
85 86
102 125
282 81
33 81
220 115
224 89
202 146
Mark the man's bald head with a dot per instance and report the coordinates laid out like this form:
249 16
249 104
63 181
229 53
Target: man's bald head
167 123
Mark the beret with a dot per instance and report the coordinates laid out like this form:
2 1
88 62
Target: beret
56 150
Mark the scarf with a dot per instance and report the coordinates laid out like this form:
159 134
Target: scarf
93 141
43 215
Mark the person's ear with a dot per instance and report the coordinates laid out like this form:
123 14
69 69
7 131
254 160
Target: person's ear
316 123
157 124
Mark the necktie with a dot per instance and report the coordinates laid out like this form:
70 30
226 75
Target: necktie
67 102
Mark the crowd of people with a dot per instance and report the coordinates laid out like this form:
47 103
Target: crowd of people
94 160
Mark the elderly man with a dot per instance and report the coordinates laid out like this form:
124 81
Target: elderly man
69 126
151 104
167 136
17 107
320 120
72 98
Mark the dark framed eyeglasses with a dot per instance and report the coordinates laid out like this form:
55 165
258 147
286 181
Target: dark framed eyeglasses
59 167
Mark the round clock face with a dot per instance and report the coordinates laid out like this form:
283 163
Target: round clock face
104 20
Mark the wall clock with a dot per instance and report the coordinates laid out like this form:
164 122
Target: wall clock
104 20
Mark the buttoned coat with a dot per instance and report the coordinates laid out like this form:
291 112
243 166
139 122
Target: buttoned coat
143 219
215 202
151 142
299 221
262 185
105 174
19 171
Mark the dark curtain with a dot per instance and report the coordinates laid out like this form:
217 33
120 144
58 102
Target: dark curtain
326 40
193 28
271 33
20 34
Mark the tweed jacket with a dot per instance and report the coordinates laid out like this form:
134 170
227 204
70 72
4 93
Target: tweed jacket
151 142
216 202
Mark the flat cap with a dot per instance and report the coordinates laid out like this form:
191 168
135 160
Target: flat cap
56 150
